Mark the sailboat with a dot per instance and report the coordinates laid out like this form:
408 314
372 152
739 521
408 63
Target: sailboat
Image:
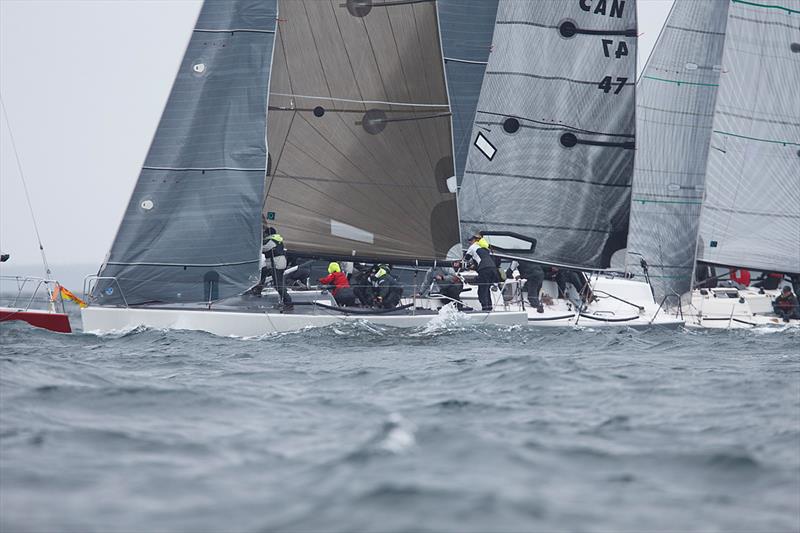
24 305
718 164
331 120
548 175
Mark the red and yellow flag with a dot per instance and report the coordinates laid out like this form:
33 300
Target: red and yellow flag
66 294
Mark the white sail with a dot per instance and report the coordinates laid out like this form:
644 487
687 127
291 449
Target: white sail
674 115
751 213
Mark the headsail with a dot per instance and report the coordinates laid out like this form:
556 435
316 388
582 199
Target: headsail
191 231
359 131
674 115
552 159
467 29
750 216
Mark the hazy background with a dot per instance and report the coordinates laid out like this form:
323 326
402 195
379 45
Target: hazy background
84 83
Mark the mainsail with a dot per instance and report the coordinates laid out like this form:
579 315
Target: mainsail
674 114
360 132
549 174
191 231
467 28
750 217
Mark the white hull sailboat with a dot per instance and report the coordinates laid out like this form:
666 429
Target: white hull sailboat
718 158
348 155
618 302
253 324
732 308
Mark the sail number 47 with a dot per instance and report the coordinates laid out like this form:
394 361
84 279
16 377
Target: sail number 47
606 84
622 48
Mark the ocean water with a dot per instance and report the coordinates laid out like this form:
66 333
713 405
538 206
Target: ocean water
361 428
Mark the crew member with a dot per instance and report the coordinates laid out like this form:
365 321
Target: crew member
487 270
769 282
297 273
386 288
534 276
275 253
785 305
336 281
450 286
362 285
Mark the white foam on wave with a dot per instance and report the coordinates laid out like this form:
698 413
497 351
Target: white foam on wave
398 435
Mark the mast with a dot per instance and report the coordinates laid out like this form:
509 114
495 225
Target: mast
750 215
360 132
677 94
191 229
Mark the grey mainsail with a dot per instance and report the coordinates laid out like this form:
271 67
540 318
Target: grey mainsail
552 159
467 28
751 215
674 114
360 132
191 231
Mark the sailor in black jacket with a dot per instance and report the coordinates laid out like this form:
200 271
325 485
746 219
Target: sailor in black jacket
487 271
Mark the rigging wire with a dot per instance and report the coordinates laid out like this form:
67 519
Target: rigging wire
25 188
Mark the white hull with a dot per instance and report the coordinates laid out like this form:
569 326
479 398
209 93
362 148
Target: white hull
620 303
731 308
102 320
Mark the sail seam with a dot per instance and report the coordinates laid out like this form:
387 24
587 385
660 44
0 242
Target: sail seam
556 125
353 101
233 30
468 61
179 169
577 30
766 6
549 78
756 138
204 265
517 224
684 202
692 30
682 82
539 178
748 212
757 119
764 22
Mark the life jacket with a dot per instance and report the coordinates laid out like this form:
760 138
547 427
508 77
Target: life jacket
279 249
741 276
337 279
486 260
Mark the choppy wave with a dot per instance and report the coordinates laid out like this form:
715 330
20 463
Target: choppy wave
356 427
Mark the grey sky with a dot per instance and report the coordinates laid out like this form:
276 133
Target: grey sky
84 83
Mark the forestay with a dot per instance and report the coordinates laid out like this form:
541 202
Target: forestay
191 231
750 216
359 132
674 115
553 151
467 28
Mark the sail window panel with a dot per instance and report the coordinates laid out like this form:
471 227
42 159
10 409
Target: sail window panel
752 182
